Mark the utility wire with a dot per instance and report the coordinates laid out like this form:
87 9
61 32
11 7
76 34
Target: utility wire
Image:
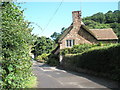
53 14
37 25
49 19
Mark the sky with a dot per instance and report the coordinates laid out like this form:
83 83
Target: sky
47 18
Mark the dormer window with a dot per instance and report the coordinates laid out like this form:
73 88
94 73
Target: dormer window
70 43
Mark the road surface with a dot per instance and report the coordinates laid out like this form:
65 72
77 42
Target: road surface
50 77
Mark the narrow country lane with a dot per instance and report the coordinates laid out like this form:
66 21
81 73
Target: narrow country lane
50 77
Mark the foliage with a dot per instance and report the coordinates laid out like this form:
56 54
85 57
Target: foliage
42 58
99 60
95 25
16 41
65 51
39 58
55 36
109 17
81 48
76 49
98 17
53 60
32 82
42 45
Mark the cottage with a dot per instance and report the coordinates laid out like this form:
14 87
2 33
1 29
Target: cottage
78 33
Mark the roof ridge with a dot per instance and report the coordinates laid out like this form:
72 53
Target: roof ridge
65 32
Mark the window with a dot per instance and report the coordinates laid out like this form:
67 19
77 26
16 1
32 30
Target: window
70 43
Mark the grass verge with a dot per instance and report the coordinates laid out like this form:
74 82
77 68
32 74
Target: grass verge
32 82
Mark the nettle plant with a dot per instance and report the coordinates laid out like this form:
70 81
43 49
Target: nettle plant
16 41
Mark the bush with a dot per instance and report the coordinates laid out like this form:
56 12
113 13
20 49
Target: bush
65 51
53 60
81 48
77 49
16 42
42 58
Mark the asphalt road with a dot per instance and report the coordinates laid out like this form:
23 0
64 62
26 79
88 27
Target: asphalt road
50 77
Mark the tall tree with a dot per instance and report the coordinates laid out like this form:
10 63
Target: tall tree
16 41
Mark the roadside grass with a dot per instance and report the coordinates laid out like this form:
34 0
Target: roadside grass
32 82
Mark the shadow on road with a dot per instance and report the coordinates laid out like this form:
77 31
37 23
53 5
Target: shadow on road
99 80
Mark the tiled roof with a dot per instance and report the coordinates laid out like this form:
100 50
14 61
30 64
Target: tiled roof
104 34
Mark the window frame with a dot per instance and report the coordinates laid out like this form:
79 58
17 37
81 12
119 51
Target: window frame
70 42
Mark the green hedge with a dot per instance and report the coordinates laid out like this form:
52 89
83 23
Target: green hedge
100 60
76 49
53 60
16 42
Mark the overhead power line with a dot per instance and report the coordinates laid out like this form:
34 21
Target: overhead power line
37 25
53 14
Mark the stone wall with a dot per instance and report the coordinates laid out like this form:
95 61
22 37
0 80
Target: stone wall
73 35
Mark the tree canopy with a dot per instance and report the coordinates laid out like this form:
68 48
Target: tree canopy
55 36
42 45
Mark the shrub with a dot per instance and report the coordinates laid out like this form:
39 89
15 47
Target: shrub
80 48
42 58
65 51
39 58
53 60
16 42
77 49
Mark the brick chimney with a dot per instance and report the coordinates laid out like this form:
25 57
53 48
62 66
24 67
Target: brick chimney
76 15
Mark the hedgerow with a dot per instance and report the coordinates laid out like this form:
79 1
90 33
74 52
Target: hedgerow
104 61
76 49
53 60
16 41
